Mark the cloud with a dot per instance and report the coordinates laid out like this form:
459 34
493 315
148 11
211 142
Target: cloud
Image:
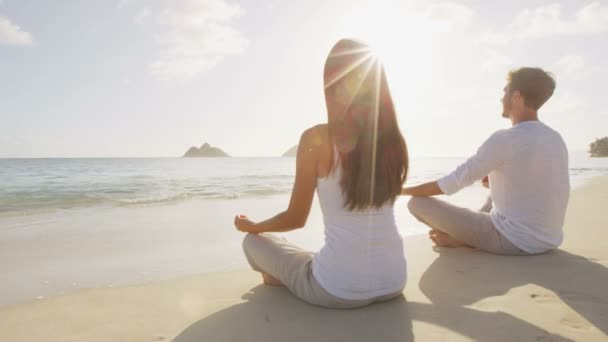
546 21
196 37
497 63
571 66
568 104
11 34
449 15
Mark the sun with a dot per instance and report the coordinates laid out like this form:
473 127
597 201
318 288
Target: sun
402 39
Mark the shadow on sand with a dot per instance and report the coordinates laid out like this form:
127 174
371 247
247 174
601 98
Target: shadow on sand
560 276
273 314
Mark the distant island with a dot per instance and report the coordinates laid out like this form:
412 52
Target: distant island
205 151
292 152
599 148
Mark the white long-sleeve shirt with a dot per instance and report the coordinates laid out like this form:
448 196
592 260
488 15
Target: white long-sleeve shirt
529 184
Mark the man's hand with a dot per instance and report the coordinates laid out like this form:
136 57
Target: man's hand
243 224
485 182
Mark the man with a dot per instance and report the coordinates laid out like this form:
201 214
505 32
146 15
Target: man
527 173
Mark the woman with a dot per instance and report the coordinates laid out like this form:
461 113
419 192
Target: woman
357 163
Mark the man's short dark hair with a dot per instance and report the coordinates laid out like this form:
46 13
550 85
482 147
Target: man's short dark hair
535 85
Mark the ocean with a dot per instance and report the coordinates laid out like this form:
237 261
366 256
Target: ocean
68 224
28 186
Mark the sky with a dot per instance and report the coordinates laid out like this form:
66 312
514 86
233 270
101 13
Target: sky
150 78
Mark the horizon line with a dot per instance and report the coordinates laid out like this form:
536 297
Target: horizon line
245 156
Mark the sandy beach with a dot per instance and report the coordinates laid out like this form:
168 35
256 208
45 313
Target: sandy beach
451 295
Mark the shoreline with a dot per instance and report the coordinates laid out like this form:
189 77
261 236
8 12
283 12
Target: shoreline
455 294
59 253
106 204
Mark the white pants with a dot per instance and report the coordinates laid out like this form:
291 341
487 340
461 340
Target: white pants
475 228
292 266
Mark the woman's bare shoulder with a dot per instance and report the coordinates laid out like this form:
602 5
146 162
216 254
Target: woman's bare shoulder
315 137
315 142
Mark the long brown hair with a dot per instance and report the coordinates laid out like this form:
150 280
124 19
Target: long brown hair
363 125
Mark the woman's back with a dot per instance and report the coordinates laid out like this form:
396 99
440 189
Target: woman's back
363 255
362 260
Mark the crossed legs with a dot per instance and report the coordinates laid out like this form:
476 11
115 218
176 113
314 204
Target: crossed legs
452 226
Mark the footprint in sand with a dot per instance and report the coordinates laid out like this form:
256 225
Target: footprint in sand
575 322
544 298
571 320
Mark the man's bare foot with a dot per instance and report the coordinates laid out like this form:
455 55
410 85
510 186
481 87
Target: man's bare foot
270 280
445 240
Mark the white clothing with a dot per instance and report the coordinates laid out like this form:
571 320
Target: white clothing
363 255
527 166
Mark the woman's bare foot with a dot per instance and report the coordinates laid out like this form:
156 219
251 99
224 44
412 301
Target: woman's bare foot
445 240
270 280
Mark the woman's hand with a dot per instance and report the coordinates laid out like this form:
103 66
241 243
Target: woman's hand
243 224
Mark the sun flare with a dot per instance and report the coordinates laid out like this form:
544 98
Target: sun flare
401 38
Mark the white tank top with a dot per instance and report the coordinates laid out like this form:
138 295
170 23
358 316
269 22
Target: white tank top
363 254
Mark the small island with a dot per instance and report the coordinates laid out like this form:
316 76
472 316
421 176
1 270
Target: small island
205 150
292 152
599 148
